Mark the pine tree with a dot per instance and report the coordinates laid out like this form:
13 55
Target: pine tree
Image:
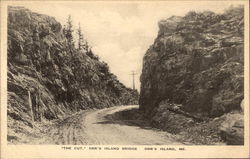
64 30
86 46
69 32
80 38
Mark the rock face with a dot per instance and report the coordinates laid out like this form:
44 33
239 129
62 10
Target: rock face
61 80
195 62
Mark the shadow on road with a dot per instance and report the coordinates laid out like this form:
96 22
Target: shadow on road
131 117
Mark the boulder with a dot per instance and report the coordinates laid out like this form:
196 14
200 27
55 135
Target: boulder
232 129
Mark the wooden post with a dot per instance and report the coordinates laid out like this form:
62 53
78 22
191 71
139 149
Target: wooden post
38 113
38 96
31 109
38 105
133 74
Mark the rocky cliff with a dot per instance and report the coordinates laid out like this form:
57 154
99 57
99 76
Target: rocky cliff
54 79
194 69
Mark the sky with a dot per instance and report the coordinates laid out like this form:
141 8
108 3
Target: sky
121 32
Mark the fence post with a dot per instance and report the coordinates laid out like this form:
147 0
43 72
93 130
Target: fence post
31 109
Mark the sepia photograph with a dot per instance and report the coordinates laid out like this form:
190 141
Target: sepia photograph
126 73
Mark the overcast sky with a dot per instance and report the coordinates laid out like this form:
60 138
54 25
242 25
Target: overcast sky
120 33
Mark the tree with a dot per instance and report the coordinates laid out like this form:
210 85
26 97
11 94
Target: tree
68 31
80 38
86 46
91 54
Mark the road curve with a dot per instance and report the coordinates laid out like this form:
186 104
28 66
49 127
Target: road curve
99 130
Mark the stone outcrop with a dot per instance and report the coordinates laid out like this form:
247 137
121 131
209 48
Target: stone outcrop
60 79
195 63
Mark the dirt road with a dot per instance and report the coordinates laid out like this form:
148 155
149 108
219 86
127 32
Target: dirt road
105 126
103 131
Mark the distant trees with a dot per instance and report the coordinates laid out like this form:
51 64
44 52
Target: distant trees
81 43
